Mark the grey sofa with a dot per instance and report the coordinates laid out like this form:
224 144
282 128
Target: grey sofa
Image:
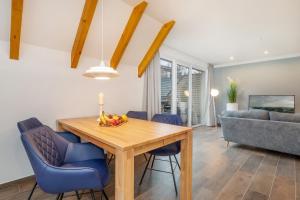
259 128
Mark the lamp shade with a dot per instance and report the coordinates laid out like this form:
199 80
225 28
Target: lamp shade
101 72
214 92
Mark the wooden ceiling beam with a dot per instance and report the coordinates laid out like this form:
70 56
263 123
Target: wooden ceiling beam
160 38
15 29
82 31
132 23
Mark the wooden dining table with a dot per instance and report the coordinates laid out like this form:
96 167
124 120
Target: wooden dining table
131 139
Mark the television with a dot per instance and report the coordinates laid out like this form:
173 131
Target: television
277 103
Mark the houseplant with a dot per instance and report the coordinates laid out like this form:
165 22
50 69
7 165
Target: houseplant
232 96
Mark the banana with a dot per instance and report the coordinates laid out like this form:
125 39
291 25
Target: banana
105 117
102 119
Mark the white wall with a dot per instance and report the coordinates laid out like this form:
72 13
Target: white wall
41 84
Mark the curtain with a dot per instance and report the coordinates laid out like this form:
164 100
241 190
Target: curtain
152 79
207 104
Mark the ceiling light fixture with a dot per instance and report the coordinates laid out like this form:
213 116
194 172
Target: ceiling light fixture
266 52
102 71
231 58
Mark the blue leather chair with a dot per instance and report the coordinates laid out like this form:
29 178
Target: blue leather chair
169 150
61 166
32 123
138 115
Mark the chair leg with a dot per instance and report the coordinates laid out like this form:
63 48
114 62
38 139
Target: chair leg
104 194
31 193
145 170
77 195
177 162
58 197
110 159
173 175
153 162
93 195
227 144
145 157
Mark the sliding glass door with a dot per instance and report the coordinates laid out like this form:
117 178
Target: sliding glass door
181 91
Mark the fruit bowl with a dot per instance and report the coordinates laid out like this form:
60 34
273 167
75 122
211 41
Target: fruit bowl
107 120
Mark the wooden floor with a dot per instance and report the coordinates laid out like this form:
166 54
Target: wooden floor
237 172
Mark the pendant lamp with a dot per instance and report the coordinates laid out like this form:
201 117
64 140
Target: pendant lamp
102 71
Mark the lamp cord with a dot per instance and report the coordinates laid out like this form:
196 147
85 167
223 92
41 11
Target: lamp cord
102 27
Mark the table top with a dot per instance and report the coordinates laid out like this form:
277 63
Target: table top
129 135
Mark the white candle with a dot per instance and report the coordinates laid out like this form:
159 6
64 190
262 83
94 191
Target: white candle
101 98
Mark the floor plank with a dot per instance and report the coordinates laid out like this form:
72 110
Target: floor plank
297 162
284 186
263 180
253 195
239 183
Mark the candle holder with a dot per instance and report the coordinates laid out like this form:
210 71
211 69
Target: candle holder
100 111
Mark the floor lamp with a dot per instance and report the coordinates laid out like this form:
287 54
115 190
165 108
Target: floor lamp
214 93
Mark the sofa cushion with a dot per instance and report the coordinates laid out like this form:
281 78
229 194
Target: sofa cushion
285 117
250 114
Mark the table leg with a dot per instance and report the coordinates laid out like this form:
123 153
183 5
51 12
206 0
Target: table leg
124 180
59 127
186 167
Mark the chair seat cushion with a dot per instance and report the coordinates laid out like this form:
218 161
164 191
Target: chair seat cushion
99 164
171 149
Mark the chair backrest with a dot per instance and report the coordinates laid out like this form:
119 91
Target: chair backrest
168 119
43 145
28 124
137 115
173 148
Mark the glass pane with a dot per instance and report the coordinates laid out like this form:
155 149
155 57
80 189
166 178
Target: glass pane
197 78
183 93
166 86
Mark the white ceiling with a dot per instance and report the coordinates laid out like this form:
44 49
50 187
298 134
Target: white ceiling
210 30
214 30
